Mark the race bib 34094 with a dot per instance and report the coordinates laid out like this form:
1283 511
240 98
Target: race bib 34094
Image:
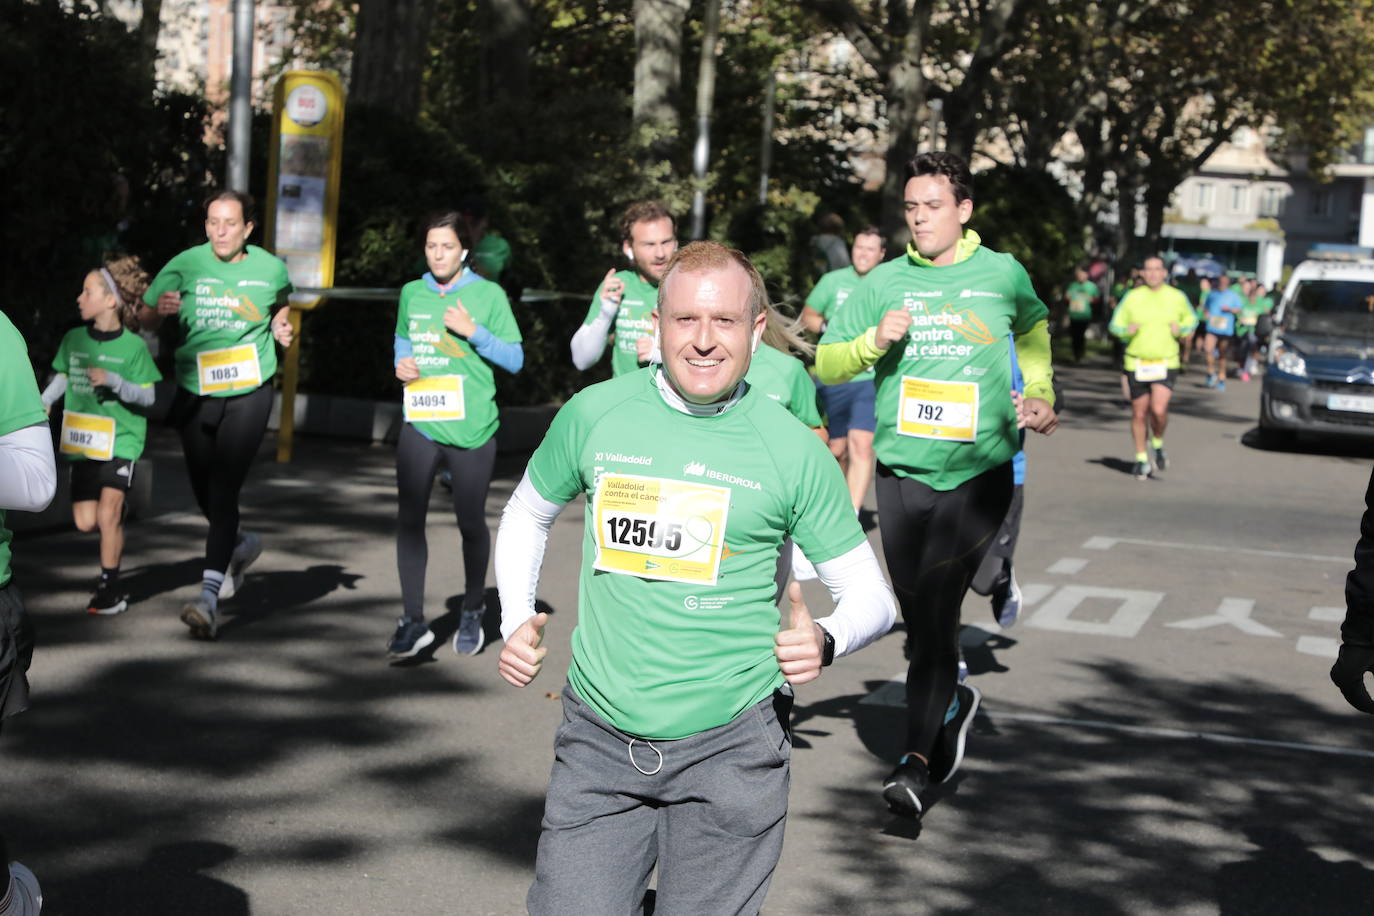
655 528
439 397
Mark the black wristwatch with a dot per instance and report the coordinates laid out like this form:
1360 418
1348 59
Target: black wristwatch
827 648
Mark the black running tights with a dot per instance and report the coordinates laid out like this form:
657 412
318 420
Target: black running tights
417 458
934 542
220 437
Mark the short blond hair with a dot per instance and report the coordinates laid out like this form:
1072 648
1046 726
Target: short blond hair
696 257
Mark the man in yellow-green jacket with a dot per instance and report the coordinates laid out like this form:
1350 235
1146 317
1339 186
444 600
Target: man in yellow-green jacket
933 325
1151 319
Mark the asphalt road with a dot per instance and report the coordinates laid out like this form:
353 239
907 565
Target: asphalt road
1158 733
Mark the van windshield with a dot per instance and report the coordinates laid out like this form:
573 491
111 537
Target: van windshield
1340 307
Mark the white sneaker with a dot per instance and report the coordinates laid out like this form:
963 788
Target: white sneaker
802 569
248 549
24 897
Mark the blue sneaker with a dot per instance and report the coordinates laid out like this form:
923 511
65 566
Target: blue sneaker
1212 380
410 637
1221 384
963 667
469 639
1006 604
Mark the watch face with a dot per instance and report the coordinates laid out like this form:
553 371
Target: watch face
828 649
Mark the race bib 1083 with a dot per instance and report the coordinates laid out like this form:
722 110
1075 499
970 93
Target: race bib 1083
655 528
228 369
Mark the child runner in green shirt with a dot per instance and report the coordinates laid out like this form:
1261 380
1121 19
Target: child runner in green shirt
107 376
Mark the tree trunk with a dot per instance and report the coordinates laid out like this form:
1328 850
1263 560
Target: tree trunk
706 101
658 64
507 49
905 96
389 54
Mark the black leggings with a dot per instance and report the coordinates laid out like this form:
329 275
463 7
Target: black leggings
1078 335
934 542
995 571
417 458
220 438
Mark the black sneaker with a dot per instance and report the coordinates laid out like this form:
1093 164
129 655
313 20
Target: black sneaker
1006 604
902 789
948 751
410 637
1161 459
107 600
1141 470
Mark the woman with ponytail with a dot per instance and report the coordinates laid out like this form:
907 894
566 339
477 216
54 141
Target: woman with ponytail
106 373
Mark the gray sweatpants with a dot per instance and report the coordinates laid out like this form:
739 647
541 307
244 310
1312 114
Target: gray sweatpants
709 812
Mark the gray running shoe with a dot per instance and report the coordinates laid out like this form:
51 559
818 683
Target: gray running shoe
410 637
1161 459
1006 604
1141 470
201 618
470 639
246 551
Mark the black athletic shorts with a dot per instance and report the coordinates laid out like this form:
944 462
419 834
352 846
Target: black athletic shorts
1140 389
90 477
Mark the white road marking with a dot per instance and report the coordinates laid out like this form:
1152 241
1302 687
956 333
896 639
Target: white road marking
1134 608
1106 543
1033 594
1068 566
1232 612
1327 614
893 694
1320 646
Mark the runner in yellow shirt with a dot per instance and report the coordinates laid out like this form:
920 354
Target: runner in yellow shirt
1151 320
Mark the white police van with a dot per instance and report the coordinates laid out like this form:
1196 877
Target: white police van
1320 372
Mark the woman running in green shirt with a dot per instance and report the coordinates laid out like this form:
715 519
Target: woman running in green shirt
452 328
107 376
228 301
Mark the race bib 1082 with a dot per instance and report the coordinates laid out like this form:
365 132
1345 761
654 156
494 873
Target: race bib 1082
88 435
660 529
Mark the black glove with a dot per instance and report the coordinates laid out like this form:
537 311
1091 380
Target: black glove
1348 674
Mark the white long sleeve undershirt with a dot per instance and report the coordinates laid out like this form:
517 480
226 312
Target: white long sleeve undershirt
864 605
28 472
589 341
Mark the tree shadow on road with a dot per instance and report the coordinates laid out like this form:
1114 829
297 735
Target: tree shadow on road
1059 818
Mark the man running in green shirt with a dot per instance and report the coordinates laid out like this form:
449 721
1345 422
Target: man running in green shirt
1080 296
626 299
849 406
674 747
1151 320
934 326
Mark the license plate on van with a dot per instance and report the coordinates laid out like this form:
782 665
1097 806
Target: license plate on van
1350 402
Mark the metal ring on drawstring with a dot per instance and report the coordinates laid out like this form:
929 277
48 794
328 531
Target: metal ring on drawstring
635 764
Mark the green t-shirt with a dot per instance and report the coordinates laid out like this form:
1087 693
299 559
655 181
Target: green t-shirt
631 322
832 290
785 380
943 402
226 309
470 412
677 638
490 256
1080 297
127 356
1152 310
20 406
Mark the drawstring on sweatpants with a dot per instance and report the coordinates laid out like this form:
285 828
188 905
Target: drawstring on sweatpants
635 763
